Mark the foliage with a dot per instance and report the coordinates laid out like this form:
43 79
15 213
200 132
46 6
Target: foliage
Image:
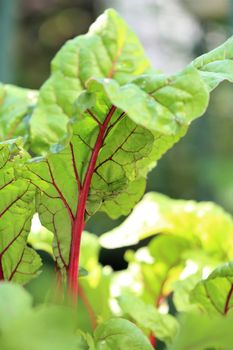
85 143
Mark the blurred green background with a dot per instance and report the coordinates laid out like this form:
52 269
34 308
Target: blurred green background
173 32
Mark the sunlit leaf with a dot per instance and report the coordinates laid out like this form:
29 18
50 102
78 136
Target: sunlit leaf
110 49
204 224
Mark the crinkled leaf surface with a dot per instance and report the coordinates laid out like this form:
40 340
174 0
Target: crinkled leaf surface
118 127
164 327
216 65
125 153
110 49
18 262
198 332
215 294
204 224
16 106
165 102
118 334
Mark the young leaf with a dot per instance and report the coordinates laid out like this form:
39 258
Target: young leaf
215 294
164 327
16 106
110 49
18 262
117 333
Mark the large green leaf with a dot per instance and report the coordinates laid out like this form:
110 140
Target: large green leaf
164 327
16 106
110 49
216 65
205 224
118 334
108 122
126 153
18 262
215 294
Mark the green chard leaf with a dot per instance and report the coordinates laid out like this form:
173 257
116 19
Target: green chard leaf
118 333
215 294
110 49
16 107
216 65
111 155
165 102
18 262
102 121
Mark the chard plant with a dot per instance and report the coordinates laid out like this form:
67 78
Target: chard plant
83 143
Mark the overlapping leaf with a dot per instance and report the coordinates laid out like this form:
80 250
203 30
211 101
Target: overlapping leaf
204 224
165 102
16 106
17 261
